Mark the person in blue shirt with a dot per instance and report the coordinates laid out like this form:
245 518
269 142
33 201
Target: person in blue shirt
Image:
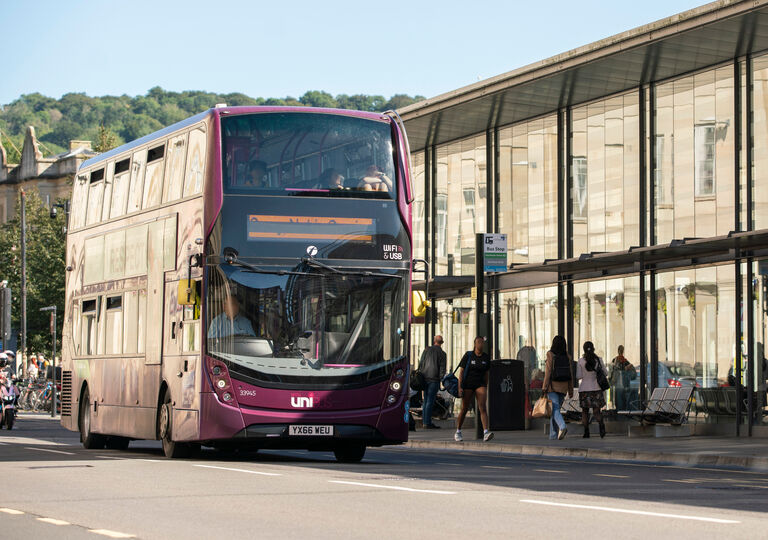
230 322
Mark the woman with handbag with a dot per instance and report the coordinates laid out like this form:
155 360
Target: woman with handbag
473 384
593 381
558 381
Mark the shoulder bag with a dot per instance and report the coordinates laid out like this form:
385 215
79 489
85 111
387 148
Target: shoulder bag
602 378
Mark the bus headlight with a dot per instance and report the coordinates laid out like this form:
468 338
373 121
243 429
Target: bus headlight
399 373
395 386
227 396
391 399
221 383
216 370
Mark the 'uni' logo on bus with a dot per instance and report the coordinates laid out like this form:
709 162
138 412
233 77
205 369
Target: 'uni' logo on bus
302 402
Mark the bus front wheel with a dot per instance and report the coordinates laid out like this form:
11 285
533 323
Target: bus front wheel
172 449
90 440
349 453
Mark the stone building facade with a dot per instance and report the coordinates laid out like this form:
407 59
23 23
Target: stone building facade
51 176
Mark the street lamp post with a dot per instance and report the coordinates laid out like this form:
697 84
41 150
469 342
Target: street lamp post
53 356
23 280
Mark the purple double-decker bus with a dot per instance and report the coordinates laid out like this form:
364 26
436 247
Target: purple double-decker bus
242 279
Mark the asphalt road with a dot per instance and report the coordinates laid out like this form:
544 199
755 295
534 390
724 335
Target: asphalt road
53 488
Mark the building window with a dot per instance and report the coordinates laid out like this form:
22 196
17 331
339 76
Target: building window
441 223
704 155
579 187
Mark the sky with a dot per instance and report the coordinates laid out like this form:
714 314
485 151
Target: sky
277 49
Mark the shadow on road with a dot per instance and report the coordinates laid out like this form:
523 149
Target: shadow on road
41 443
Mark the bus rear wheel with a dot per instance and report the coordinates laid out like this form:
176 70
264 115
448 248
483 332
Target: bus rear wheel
172 449
90 440
349 453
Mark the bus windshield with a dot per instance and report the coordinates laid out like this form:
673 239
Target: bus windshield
293 324
308 154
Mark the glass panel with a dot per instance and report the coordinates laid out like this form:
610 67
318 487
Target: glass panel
88 326
107 199
193 183
141 328
306 154
114 332
114 256
101 320
120 194
174 173
79 201
136 251
461 189
76 328
417 209
695 156
605 175
169 244
95 201
760 307
153 184
191 330
131 309
760 138
528 190
319 327
93 270
138 164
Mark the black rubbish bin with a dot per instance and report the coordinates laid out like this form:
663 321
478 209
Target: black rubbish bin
506 395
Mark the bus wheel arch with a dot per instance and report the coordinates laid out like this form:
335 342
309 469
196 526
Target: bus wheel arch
90 440
172 449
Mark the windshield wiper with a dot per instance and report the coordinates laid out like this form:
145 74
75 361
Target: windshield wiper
234 261
314 263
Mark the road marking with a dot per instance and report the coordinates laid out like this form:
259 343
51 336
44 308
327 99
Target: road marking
53 521
47 450
3 444
612 475
108 457
151 460
111 534
637 512
688 481
398 488
493 467
238 470
552 471
11 511
446 463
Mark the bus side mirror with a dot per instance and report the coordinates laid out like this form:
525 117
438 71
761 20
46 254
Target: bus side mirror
187 293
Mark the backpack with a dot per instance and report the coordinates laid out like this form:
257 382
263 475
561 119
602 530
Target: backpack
561 368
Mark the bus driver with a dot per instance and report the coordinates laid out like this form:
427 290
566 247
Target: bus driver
230 322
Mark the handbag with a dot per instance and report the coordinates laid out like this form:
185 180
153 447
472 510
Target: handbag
451 382
418 383
602 379
542 408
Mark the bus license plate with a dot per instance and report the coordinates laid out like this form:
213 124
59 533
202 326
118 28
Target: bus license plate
312 431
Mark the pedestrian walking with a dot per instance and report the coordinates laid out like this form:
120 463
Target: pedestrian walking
432 365
622 372
590 394
558 381
473 384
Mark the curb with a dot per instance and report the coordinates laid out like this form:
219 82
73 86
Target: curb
654 458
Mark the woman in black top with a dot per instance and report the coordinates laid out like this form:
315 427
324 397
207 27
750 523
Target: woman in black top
473 383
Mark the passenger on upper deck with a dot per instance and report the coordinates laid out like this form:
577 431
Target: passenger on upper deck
230 322
331 179
257 170
375 180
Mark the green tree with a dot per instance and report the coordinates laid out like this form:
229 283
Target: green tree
46 246
106 140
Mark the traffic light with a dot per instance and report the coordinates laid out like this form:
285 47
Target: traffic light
5 316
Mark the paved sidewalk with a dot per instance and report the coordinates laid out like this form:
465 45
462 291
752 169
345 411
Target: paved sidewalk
695 451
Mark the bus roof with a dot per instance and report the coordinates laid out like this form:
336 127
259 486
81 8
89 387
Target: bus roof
224 110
